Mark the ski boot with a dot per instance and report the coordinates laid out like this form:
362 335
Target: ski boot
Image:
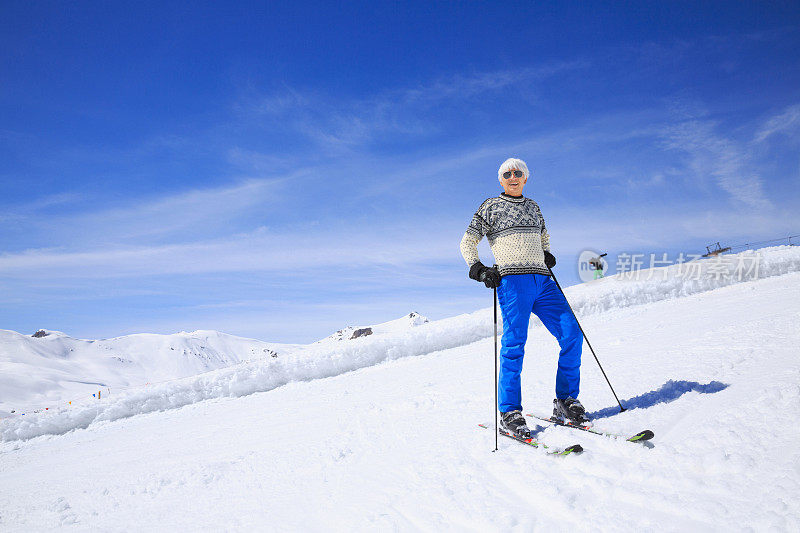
514 423
570 411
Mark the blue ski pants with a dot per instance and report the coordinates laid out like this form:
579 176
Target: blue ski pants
519 296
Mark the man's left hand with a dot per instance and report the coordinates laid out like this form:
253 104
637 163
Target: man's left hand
549 259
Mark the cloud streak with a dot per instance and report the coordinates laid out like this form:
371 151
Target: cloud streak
786 122
338 125
262 250
723 159
192 214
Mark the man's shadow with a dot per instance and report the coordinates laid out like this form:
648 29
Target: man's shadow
668 392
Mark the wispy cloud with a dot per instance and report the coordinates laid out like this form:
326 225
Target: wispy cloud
189 215
340 124
42 203
786 122
249 160
261 250
464 87
28 212
725 160
660 228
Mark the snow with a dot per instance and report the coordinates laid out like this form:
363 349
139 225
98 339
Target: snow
47 373
380 433
50 371
392 327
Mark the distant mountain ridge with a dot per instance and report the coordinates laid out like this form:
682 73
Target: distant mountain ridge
52 366
333 358
393 326
37 372
49 366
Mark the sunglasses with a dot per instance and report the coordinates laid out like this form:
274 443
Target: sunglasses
517 173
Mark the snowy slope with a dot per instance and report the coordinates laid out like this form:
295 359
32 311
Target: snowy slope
396 446
51 370
38 373
401 325
331 358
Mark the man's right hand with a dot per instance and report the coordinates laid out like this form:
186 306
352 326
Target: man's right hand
489 276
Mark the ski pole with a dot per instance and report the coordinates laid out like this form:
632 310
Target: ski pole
494 408
621 409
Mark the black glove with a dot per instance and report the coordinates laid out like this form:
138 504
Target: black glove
549 259
489 276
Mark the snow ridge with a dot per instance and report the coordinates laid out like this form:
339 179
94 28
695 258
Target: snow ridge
319 361
51 367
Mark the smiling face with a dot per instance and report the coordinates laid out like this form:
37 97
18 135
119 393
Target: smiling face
513 184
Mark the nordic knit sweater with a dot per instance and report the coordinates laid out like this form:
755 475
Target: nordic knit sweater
516 232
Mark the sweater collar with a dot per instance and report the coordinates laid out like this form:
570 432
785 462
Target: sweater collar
516 199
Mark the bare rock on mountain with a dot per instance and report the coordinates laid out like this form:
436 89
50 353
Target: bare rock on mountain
362 332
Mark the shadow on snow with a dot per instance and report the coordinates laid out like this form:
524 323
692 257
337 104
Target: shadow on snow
668 392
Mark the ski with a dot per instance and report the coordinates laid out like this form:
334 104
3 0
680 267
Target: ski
575 448
642 436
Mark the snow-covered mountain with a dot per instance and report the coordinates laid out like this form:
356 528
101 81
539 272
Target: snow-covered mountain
380 433
49 367
37 377
392 327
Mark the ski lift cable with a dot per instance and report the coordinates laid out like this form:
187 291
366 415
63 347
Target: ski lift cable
749 244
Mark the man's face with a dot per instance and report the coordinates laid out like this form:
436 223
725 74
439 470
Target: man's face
514 183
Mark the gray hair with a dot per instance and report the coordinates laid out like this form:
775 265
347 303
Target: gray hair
512 163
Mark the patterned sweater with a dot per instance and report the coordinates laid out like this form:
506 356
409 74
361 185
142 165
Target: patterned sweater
515 229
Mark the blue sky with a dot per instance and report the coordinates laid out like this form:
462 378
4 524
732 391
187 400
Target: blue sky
282 171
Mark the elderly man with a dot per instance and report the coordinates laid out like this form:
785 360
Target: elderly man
518 238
